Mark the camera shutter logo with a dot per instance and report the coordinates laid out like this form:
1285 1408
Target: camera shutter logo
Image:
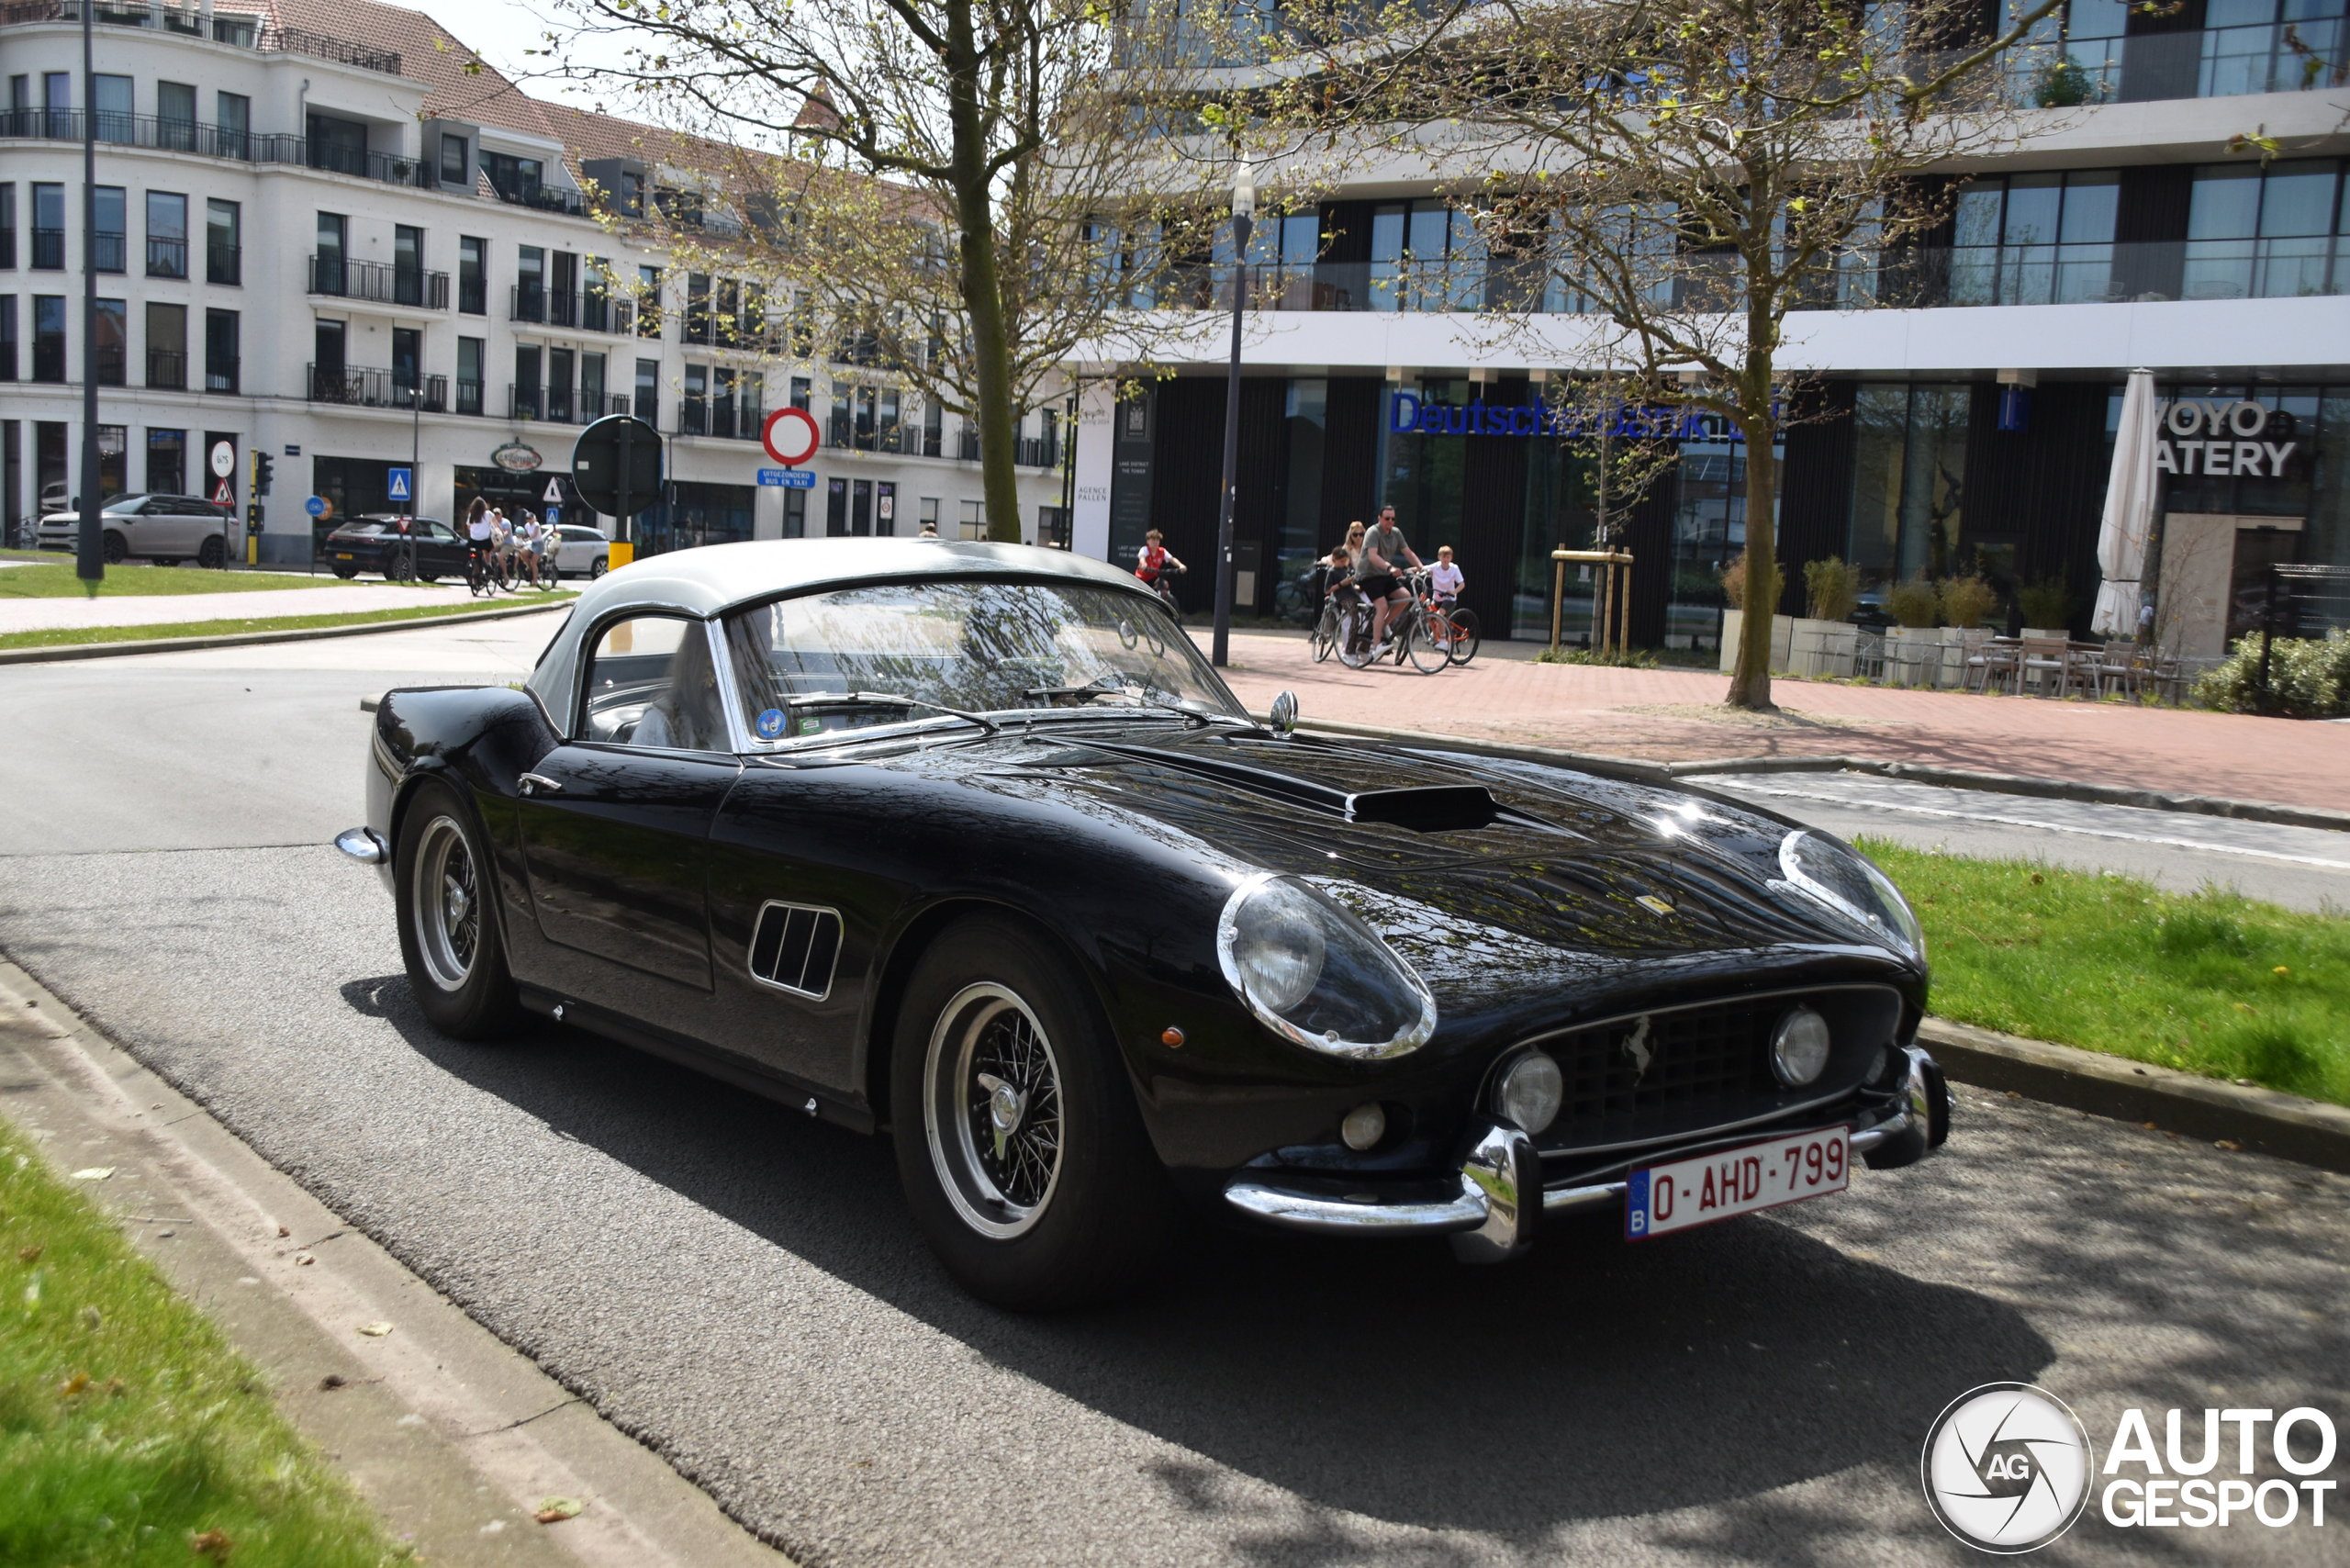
2007 1467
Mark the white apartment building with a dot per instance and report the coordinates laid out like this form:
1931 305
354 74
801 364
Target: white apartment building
320 241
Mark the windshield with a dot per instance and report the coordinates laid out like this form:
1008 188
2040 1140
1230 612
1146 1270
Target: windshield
985 648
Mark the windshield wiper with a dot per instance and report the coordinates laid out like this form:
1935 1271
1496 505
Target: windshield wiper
1113 685
886 699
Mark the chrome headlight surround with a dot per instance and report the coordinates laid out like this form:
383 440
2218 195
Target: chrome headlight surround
1314 972
1847 882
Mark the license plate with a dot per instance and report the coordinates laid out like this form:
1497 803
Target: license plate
342 556
1736 1181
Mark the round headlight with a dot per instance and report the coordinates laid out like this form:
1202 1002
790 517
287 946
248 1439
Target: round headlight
1847 881
1313 971
1531 1091
1799 1047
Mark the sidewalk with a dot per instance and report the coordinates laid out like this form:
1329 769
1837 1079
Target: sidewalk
330 598
1676 716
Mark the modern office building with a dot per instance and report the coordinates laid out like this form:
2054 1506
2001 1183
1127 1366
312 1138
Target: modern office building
322 239
1968 425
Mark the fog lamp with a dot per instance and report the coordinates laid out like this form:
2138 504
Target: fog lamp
1364 1127
1799 1047
1532 1089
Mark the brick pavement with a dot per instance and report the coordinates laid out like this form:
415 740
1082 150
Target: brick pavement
1667 715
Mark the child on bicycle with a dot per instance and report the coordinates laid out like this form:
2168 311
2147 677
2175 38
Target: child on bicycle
1154 557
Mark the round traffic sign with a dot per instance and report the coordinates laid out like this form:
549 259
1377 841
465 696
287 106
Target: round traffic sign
224 459
318 506
790 436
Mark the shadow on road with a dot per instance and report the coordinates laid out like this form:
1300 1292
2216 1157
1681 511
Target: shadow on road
1595 1379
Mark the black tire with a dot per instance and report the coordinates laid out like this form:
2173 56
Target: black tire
346 573
213 553
1323 638
1054 1216
603 564
1465 639
114 547
1418 638
455 958
427 576
397 568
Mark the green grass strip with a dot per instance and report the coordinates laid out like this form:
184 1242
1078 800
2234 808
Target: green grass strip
51 576
129 1427
2210 983
76 636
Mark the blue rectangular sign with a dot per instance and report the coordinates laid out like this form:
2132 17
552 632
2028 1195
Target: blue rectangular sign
787 478
396 484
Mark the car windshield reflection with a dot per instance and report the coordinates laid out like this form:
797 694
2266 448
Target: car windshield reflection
973 646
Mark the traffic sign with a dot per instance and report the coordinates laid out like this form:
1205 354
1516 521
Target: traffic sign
223 495
396 484
617 465
316 506
224 458
787 478
554 497
790 436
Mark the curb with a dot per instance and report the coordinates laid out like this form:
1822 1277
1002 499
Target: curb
242 639
2261 1120
1922 773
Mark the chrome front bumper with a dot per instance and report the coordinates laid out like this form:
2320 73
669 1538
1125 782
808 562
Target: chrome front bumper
1493 1218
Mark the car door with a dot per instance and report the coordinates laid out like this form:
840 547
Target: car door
615 823
190 519
147 527
438 554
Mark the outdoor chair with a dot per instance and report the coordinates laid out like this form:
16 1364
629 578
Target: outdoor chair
2115 668
1991 661
2047 664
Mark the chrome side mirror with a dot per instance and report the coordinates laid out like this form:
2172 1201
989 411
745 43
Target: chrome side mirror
1283 718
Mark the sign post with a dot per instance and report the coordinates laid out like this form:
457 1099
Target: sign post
616 465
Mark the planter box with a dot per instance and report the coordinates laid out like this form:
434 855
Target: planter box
1914 655
1734 626
1822 649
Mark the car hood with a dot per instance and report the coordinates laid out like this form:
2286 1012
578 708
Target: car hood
1457 858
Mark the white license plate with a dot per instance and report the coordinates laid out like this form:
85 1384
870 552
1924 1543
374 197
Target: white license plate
1736 1181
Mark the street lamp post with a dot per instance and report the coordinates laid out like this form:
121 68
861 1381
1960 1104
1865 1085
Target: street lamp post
89 556
1244 209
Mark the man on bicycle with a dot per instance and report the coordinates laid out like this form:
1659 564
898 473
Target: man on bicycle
1382 548
1154 558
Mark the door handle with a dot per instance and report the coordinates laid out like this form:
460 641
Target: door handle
530 783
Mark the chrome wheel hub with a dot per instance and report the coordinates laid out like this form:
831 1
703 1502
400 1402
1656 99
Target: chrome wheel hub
447 904
991 1109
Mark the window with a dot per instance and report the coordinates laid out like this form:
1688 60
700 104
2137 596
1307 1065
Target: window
408 265
975 519
112 481
57 100
692 415
801 387
223 243
175 116
166 235
326 260
530 283
527 389
330 343
648 391
407 358
111 344
167 461
167 346
456 169
2270 46
1909 458
2263 233
835 507
514 179
933 423
795 514
221 348
472 276
118 115
650 684
562 288
232 123
471 353
2040 238
112 254
340 145
929 517
7 226
559 372
726 326
697 308
1425 255
591 388
49 227
8 337
648 302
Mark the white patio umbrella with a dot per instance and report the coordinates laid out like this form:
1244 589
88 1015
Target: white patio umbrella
2129 511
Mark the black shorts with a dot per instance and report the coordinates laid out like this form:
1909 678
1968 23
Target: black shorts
1378 587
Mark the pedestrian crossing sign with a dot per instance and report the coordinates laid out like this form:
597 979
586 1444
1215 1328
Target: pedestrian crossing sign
396 484
223 495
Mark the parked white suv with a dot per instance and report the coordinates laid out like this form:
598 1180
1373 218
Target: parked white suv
165 529
581 551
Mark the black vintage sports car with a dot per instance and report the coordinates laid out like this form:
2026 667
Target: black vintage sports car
966 843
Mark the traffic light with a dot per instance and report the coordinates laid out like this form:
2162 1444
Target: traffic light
264 469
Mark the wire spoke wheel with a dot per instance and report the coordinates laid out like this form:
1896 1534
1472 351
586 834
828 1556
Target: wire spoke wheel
446 898
992 1108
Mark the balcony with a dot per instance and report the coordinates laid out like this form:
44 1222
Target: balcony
229 142
224 263
374 281
2211 62
2290 267
559 405
48 250
356 386
109 252
239 30
167 370
542 198
220 373
166 257
721 419
468 397
588 312
601 313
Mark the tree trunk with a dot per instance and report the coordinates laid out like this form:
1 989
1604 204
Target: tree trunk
982 297
1750 681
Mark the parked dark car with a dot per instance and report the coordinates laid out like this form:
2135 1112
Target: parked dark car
964 843
383 545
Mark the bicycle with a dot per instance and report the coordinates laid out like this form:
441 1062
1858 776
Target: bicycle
1413 628
481 570
1166 591
1461 626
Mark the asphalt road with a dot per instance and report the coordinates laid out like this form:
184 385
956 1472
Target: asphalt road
743 1288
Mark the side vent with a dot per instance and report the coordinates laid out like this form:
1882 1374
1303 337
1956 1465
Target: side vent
795 947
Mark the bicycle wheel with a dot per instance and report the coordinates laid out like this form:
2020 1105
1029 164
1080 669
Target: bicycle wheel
1465 641
1325 635
1420 644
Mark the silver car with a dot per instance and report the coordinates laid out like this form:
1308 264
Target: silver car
165 529
580 552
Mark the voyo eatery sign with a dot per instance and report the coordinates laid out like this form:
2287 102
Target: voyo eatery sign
2218 438
1409 414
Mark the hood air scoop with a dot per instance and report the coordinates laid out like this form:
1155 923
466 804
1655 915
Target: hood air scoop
1432 808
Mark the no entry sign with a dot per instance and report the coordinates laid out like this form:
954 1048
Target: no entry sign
790 436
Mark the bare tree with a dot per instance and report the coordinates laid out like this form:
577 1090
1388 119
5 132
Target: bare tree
1683 173
941 190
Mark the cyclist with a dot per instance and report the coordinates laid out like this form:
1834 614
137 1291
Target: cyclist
1154 562
478 540
1448 582
532 543
1383 551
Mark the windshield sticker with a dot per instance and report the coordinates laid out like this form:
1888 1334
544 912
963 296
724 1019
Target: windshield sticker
771 725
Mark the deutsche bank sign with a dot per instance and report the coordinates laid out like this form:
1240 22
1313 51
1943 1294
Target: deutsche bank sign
1409 414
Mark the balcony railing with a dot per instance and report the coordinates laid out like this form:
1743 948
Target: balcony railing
167 370
469 396
723 419
472 295
2211 62
48 250
220 373
267 39
224 263
558 405
601 313
542 198
2273 268
166 257
371 388
217 141
109 252
386 285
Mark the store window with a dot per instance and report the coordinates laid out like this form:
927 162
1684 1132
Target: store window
167 461
2247 451
114 475
2265 233
1909 476
2038 238
1305 415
